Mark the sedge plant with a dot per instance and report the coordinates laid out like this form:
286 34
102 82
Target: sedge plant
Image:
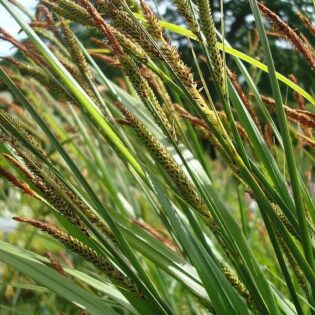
107 146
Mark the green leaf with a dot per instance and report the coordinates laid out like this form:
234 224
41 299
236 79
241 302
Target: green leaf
51 279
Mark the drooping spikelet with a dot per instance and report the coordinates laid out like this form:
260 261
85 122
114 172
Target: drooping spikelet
122 21
63 199
307 140
152 23
209 31
159 88
40 75
132 71
74 49
18 183
14 127
303 117
100 23
287 32
33 70
285 221
49 186
237 284
306 21
90 255
52 193
187 78
21 47
42 13
185 74
184 9
129 45
185 187
54 263
19 166
70 10
146 94
126 25
295 267
166 161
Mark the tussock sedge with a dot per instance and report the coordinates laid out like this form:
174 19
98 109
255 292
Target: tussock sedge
106 141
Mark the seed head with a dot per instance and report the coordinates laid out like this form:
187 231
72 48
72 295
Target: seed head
209 31
146 94
81 249
75 49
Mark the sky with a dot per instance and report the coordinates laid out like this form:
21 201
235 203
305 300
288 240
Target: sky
8 23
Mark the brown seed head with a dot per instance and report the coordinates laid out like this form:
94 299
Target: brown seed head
103 26
288 33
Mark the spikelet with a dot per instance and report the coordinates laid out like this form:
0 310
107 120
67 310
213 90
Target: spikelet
46 34
308 141
159 88
104 27
69 10
90 255
18 183
174 171
107 59
40 75
146 94
52 193
55 264
75 72
166 161
295 267
308 24
133 5
35 172
22 48
126 25
209 31
303 117
186 76
184 9
64 199
74 49
34 71
131 46
237 284
152 23
89 213
43 12
170 52
285 221
287 32
172 55
13 126
54 190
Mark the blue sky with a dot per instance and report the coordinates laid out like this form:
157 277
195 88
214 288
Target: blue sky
11 27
